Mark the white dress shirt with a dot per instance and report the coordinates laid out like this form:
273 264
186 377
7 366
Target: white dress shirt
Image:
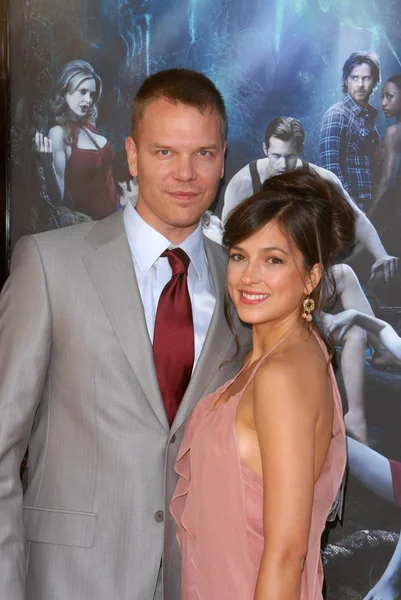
154 272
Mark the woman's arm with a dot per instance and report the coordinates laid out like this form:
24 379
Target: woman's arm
52 153
383 331
286 409
392 157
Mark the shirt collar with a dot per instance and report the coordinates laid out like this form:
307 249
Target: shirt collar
147 244
357 108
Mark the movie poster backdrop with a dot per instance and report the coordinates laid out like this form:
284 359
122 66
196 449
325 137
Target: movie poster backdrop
269 59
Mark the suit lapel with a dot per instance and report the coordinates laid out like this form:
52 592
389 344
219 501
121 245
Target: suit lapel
111 269
218 339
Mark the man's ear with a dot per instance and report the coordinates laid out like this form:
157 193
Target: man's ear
313 278
132 156
224 160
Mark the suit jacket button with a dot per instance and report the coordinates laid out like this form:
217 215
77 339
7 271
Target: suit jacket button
159 516
173 438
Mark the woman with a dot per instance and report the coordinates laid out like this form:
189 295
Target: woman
386 204
76 158
262 458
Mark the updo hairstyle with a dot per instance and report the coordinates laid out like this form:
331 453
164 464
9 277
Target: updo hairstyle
311 212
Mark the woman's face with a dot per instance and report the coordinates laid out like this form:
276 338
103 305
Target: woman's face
266 277
391 100
82 98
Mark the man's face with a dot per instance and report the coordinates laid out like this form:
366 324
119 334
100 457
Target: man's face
282 155
360 84
178 157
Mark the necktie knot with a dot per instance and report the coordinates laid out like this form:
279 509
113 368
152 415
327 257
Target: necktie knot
178 260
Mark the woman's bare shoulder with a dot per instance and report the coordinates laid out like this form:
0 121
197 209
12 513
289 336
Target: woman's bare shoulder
298 370
392 137
56 133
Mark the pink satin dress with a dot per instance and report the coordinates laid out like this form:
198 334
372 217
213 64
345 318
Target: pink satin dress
218 503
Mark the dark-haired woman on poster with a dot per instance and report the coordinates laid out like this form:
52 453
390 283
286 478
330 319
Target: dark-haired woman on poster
386 207
77 160
263 457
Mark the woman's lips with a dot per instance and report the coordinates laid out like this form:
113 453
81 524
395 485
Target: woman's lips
253 297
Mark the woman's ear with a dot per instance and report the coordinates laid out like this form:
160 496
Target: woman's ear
314 276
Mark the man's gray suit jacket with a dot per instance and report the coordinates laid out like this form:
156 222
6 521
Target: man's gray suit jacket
78 383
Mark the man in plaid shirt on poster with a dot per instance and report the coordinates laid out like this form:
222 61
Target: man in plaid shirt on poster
348 136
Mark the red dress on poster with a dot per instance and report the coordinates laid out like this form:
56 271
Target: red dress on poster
218 504
89 178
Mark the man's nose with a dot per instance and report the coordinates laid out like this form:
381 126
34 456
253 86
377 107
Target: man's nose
185 168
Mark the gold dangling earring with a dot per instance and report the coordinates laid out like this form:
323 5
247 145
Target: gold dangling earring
309 307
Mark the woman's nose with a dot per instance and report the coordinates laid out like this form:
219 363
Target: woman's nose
251 274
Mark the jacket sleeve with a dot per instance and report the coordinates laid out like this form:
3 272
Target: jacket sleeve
25 339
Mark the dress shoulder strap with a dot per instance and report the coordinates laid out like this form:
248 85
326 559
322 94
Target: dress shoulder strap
86 130
256 183
265 356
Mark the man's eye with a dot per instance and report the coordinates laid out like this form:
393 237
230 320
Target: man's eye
164 152
205 152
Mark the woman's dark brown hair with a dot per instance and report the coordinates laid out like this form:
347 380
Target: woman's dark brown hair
311 212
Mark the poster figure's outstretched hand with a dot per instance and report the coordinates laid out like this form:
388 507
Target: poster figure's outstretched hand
44 147
340 322
385 267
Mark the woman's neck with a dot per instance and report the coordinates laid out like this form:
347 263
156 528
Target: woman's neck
266 335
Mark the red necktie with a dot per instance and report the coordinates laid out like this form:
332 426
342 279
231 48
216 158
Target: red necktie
173 340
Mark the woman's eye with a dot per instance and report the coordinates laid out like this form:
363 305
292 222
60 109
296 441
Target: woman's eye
237 257
273 260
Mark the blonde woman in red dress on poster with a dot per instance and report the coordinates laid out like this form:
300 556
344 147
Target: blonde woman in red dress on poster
262 459
77 160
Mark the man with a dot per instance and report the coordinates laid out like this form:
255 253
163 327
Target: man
284 141
102 410
348 135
